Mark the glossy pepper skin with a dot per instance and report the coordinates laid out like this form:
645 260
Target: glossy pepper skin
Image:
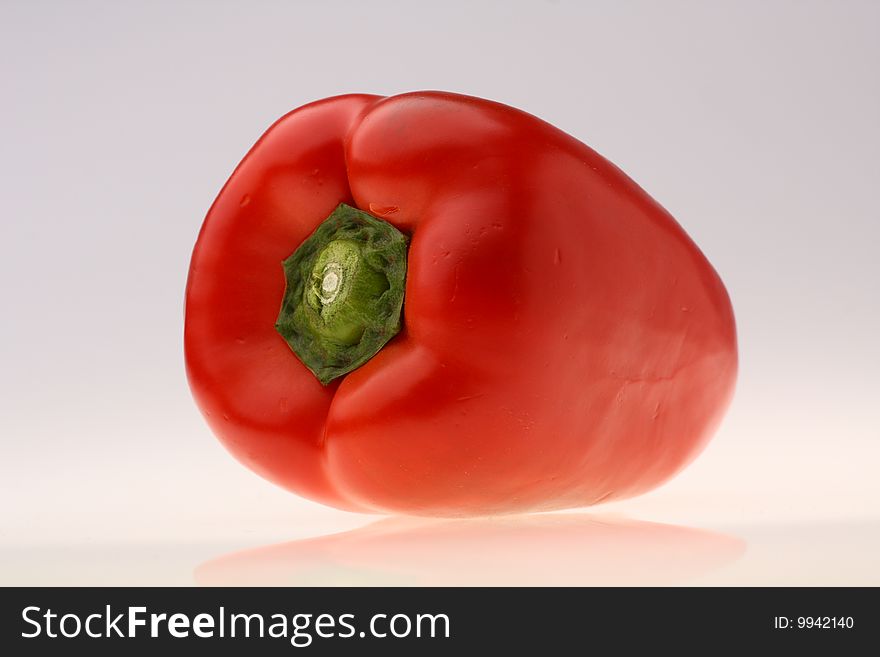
564 341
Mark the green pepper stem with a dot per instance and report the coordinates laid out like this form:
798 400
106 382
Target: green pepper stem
344 294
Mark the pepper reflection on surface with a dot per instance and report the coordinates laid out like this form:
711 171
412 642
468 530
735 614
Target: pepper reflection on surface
532 550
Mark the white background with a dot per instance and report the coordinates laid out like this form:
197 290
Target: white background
754 123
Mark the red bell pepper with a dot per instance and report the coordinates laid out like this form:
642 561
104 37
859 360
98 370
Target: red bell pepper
436 304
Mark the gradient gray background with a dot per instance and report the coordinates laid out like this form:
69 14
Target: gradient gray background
754 123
